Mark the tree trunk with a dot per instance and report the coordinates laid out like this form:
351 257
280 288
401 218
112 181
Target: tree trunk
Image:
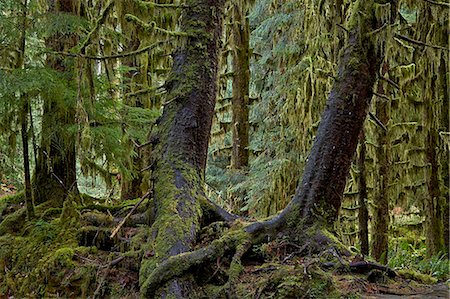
23 116
319 195
26 157
55 173
241 79
381 213
363 214
433 206
135 80
182 143
445 170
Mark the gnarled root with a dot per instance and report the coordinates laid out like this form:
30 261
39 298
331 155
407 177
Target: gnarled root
176 265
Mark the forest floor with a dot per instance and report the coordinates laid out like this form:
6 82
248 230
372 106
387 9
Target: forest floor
68 252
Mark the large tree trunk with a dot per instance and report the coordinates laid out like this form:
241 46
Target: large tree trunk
182 143
241 79
55 173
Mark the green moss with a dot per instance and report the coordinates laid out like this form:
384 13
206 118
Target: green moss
417 276
13 222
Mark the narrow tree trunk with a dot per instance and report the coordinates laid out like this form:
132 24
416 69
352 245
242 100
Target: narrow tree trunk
55 173
181 149
381 213
26 157
445 170
23 116
363 214
433 206
240 99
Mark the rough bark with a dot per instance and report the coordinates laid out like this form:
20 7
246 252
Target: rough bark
240 99
363 214
381 211
182 143
55 172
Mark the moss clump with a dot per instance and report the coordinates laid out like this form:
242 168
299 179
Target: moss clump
417 276
13 222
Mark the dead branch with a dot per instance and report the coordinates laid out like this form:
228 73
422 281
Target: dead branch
116 230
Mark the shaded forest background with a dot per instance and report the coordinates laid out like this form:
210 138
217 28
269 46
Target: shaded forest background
83 84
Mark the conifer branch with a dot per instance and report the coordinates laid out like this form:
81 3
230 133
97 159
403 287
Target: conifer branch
416 42
114 56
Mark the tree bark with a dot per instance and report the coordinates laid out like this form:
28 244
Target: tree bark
241 79
433 206
445 170
381 213
363 214
182 142
26 156
55 173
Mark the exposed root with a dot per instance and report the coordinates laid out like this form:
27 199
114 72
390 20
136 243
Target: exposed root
176 265
361 267
212 212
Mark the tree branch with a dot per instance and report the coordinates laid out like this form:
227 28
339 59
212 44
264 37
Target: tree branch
377 121
114 56
416 42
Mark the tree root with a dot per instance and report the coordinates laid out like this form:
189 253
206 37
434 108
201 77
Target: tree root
176 265
361 267
213 213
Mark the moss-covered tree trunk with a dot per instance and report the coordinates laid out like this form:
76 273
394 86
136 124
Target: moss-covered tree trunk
55 172
380 225
363 214
445 170
433 204
241 79
181 145
319 195
134 80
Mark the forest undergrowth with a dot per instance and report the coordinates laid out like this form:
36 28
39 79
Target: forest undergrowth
69 252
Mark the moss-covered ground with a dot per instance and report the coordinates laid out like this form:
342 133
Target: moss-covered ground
67 253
